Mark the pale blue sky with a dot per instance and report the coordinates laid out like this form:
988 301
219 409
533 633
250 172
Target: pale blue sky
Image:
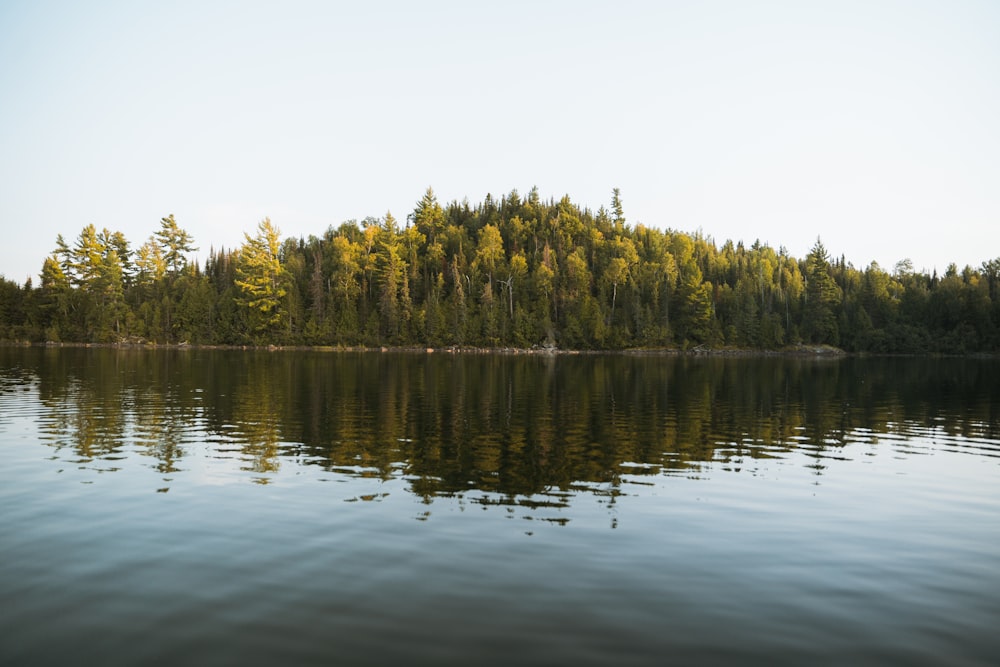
875 125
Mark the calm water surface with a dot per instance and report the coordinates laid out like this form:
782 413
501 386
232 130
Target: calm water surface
221 507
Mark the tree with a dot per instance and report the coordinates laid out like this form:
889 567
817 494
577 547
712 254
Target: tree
174 242
428 216
459 308
345 283
508 271
617 211
489 251
823 295
693 295
150 265
619 269
991 272
54 299
261 279
13 314
120 244
95 268
393 286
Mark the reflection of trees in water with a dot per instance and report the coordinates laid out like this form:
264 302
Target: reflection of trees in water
86 413
256 421
102 402
513 426
524 425
164 407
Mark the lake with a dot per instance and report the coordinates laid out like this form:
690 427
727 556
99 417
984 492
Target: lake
221 507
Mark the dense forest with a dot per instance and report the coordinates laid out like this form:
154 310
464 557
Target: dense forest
508 272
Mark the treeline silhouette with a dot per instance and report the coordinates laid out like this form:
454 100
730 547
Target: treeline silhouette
508 272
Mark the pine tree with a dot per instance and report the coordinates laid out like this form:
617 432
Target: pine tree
261 279
174 242
823 295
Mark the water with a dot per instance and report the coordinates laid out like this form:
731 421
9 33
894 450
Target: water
236 507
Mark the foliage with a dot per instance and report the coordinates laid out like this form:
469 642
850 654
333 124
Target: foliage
509 271
261 281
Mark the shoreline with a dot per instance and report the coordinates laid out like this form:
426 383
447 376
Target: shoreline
791 352
824 351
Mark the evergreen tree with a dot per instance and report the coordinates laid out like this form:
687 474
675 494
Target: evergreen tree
504 272
823 296
261 280
174 243
617 211
392 280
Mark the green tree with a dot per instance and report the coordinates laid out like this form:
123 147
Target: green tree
507 271
150 265
54 300
693 295
619 270
96 270
261 279
195 316
458 306
489 251
345 280
823 296
13 316
174 242
617 212
393 286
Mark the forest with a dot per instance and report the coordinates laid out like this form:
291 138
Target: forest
511 272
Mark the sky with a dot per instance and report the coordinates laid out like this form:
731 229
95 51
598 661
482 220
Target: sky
872 125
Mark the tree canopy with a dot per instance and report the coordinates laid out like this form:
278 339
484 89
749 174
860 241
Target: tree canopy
507 272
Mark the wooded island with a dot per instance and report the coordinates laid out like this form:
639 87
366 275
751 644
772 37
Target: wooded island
508 272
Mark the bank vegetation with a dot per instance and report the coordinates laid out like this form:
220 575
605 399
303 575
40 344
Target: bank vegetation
514 272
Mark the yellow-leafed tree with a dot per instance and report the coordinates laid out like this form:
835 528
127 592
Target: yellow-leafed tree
261 279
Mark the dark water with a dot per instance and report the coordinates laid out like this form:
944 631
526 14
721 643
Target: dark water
217 507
